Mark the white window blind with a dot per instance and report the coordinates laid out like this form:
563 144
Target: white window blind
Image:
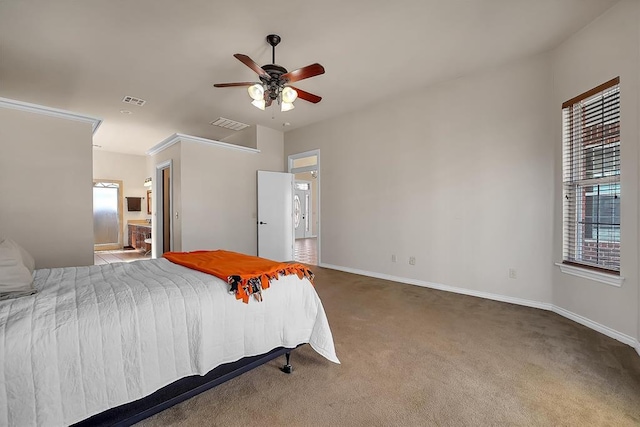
591 178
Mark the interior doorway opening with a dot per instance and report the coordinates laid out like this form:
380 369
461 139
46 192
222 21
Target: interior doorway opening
306 204
108 205
163 241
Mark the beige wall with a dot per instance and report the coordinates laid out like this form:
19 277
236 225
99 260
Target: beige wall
219 192
46 187
466 177
247 137
214 191
458 175
606 48
132 171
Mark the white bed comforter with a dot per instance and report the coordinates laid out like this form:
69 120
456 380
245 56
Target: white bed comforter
97 337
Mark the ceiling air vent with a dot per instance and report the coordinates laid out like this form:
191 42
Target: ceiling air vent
133 100
228 124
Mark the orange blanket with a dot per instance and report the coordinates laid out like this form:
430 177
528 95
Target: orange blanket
247 275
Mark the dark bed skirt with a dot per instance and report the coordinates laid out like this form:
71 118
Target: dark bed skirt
178 391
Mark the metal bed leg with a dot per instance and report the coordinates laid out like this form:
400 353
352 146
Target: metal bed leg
287 368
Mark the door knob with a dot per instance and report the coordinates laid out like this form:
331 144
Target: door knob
261 223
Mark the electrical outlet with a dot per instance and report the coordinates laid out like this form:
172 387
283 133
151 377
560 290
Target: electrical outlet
512 273
393 258
412 260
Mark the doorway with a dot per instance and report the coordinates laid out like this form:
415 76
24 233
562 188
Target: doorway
302 215
108 204
305 167
163 241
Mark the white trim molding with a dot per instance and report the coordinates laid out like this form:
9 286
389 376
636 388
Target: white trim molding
585 273
447 288
178 137
623 338
612 333
49 111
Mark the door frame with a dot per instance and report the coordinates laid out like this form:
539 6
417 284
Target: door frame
158 202
120 244
293 170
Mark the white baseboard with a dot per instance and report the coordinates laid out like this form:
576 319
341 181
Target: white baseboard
416 282
623 338
612 333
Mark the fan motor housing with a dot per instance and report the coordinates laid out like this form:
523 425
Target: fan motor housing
274 70
274 84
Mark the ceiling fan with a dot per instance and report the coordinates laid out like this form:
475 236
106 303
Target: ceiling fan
274 81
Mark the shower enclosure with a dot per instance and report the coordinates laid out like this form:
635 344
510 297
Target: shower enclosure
107 215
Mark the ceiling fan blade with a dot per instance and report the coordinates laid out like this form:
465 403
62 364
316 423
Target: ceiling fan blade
303 73
268 101
251 64
234 84
307 96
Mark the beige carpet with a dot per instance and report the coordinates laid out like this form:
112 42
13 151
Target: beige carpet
414 356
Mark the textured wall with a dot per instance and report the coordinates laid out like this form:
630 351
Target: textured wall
459 176
218 187
606 48
46 199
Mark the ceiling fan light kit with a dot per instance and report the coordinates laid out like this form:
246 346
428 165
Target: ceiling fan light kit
274 81
286 106
259 103
289 94
256 92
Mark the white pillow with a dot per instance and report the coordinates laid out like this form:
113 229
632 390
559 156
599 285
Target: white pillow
16 278
27 259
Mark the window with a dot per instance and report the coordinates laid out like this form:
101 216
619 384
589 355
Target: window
591 178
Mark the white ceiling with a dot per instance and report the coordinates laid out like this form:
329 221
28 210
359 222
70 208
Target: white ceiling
85 56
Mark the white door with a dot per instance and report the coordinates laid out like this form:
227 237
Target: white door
275 215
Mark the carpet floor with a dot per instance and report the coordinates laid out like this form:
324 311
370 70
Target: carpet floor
413 356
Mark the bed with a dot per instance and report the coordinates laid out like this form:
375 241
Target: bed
100 337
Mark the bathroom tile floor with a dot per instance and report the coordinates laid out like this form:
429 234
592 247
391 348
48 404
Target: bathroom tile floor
109 257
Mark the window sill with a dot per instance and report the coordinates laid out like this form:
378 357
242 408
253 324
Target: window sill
609 279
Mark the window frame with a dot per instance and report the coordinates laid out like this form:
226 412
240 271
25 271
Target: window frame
576 185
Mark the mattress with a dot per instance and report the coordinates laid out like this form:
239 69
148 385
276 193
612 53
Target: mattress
97 337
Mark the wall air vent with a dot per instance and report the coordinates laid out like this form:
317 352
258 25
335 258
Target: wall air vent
133 100
228 124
